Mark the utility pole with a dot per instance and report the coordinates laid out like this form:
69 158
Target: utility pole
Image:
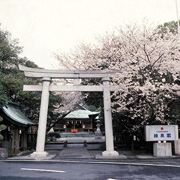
177 12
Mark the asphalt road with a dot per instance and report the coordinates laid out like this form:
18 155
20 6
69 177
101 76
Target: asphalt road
90 170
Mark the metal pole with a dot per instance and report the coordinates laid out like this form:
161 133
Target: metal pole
177 16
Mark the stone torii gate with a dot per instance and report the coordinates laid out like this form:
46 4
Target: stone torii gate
47 76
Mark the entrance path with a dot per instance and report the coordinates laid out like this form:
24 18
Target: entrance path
74 152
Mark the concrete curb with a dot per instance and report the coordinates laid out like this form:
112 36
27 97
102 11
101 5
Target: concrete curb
121 156
32 158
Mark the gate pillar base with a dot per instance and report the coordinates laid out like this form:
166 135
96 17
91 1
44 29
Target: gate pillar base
110 153
39 154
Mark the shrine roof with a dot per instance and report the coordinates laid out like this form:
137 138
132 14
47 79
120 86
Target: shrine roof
15 115
81 114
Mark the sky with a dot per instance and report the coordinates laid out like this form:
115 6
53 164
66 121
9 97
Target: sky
44 27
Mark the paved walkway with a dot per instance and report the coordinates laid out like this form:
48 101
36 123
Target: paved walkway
79 151
74 152
82 152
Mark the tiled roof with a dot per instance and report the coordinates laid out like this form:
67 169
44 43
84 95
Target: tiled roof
13 111
81 114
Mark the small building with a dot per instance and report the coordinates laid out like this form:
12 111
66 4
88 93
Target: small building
78 121
16 134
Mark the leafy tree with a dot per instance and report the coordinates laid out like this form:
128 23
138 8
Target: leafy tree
2 127
169 26
3 96
9 51
3 99
13 79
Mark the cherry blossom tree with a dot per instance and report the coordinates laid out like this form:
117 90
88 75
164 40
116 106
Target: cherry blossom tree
69 101
147 64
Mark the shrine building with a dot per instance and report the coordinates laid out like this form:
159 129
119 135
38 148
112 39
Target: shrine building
18 125
78 121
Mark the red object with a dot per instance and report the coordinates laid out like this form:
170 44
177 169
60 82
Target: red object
74 130
162 128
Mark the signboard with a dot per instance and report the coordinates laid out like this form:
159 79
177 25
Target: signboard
161 132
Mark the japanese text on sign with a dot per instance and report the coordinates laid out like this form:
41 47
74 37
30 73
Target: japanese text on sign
161 132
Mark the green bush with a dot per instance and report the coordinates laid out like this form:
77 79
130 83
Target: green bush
2 127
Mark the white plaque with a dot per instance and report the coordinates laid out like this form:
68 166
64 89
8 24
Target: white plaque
161 132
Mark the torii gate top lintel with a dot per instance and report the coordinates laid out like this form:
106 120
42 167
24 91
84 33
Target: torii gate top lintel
71 74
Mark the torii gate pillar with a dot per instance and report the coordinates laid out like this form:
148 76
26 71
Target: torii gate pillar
108 120
42 119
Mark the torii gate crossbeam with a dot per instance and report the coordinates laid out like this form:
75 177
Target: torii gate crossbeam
47 76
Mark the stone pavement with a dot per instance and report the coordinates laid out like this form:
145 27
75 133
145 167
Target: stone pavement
81 152
74 152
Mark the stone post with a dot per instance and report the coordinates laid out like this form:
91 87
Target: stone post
108 120
177 146
162 149
42 120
